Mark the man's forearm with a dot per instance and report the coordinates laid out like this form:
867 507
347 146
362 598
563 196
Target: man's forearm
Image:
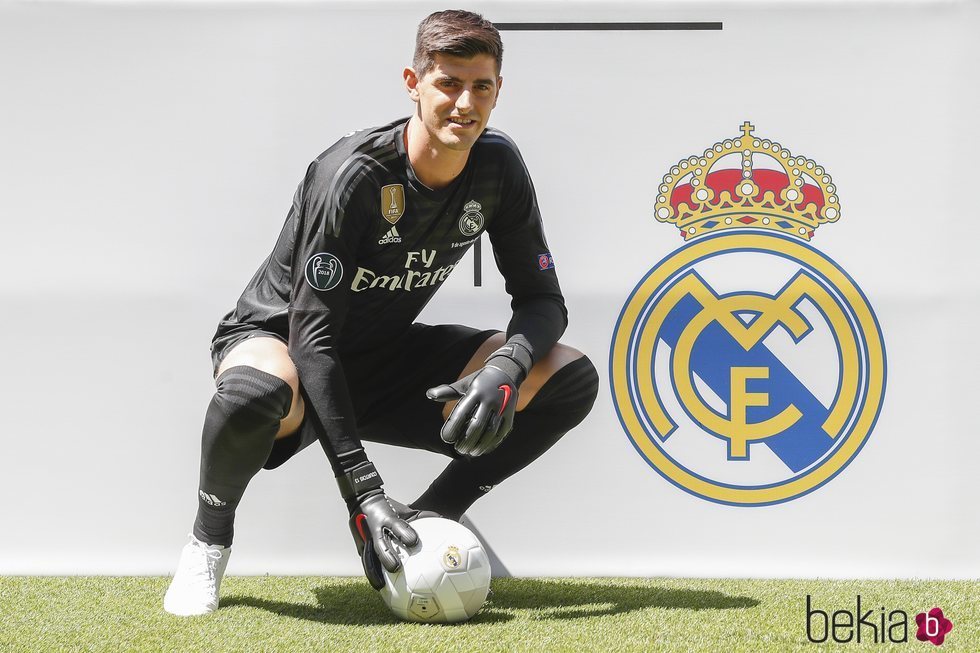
541 320
329 409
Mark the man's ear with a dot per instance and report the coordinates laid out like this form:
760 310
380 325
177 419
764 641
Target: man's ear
500 82
411 83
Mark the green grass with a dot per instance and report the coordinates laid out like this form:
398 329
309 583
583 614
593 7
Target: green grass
580 614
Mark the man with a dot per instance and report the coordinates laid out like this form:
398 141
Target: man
322 346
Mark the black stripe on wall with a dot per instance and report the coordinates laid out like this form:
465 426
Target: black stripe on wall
595 27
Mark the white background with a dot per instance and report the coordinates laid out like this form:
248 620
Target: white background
148 154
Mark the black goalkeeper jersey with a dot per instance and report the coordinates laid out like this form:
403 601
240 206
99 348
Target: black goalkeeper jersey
365 246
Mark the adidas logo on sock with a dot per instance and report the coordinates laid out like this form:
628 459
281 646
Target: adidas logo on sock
485 488
211 500
390 237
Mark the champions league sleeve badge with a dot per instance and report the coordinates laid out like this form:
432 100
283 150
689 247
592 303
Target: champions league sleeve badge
324 271
747 367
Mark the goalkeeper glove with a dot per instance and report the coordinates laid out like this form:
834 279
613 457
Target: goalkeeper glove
374 523
487 398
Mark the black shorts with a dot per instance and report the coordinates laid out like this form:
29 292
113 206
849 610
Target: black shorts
387 385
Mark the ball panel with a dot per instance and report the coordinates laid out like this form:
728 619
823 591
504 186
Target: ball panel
448 594
474 599
463 582
424 607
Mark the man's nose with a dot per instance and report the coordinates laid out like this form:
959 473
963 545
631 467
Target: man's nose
464 102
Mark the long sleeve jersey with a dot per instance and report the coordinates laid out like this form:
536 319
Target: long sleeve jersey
365 245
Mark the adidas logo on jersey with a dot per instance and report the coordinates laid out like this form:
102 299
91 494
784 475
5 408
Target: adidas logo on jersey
390 237
210 499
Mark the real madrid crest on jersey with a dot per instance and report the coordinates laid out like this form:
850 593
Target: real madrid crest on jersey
747 367
471 221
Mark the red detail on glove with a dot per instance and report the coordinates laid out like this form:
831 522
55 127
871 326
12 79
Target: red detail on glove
359 522
507 393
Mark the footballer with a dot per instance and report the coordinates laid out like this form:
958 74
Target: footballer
323 346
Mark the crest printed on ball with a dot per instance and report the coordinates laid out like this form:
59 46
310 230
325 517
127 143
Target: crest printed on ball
747 367
452 559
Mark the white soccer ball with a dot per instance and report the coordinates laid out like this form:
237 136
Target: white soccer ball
444 578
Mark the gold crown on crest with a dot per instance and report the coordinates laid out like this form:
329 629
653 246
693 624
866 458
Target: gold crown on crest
771 189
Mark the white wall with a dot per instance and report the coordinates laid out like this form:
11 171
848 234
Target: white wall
147 157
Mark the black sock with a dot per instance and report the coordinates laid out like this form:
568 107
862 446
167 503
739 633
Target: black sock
560 405
239 430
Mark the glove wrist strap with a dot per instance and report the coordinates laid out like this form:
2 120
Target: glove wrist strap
359 480
514 359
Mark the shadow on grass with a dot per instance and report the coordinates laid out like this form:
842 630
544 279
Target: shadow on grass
353 605
557 599
544 599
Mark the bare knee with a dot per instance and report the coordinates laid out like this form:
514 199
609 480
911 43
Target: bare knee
268 355
559 356
271 356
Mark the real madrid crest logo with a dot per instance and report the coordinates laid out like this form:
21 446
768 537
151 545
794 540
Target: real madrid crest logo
451 558
747 367
471 221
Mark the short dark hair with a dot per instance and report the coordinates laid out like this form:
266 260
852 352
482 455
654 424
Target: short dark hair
458 33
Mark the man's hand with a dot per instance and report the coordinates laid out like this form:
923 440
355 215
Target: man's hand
374 526
373 523
485 412
487 400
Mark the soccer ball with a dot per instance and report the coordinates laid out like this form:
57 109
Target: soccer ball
443 579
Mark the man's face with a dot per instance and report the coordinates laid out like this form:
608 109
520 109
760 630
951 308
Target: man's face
455 98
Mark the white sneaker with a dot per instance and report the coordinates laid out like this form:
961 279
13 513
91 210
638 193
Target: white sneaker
194 588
